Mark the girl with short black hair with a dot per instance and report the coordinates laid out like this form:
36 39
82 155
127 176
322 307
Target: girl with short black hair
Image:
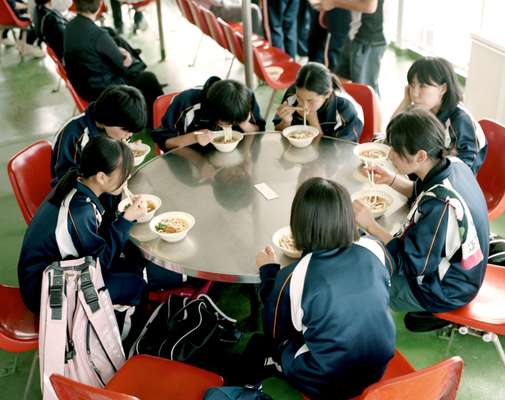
68 225
195 113
433 85
319 94
441 251
327 314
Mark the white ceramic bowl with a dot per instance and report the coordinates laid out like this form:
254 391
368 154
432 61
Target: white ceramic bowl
150 198
361 149
363 194
276 241
141 147
313 132
172 237
274 72
227 147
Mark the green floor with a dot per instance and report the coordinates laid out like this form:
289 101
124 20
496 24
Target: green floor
30 110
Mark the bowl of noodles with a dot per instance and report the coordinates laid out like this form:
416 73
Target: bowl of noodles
300 135
172 226
283 240
140 151
153 204
221 144
377 200
371 153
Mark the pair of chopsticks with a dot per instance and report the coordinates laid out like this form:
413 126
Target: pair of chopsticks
370 175
129 195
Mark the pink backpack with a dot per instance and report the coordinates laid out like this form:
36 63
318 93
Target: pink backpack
78 333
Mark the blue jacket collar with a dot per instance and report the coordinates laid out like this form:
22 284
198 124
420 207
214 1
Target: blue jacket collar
86 191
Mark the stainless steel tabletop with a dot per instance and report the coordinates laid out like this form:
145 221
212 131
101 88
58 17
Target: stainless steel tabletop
233 220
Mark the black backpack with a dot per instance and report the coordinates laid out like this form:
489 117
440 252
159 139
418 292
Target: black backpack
496 249
187 330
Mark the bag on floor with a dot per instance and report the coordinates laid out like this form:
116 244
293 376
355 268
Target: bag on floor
236 393
185 329
78 333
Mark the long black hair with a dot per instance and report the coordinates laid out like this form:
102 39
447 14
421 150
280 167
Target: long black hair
317 78
101 154
120 105
322 217
437 70
414 130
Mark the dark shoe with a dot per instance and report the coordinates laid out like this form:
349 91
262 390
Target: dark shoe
423 322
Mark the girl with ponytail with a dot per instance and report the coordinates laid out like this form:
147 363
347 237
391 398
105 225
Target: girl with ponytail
319 94
441 251
68 224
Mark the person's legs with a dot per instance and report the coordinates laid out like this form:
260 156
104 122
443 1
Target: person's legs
275 18
303 24
342 66
125 288
401 297
150 87
365 64
289 24
317 40
117 16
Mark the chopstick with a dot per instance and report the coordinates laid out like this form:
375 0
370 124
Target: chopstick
128 194
304 117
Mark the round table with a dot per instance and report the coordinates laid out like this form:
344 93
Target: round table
233 220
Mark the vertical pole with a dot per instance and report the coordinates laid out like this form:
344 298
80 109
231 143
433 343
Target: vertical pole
248 55
160 30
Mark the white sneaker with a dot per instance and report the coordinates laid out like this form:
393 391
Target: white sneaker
9 41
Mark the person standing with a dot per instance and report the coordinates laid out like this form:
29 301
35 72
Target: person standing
365 44
282 17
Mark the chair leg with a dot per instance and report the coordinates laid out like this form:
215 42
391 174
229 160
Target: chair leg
270 103
30 376
57 88
496 341
197 50
10 368
229 69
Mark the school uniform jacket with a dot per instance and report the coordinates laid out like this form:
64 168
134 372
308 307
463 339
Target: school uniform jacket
187 114
426 249
347 334
69 142
68 231
464 135
340 116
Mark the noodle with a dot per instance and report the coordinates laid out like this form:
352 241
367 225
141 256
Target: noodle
172 225
287 242
373 154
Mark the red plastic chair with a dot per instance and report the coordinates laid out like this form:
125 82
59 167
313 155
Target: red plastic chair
367 99
216 32
19 328
438 382
30 176
486 312
198 17
160 107
143 377
79 102
9 19
491 182
185 10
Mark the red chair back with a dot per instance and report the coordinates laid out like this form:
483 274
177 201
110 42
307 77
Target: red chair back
198 17
366 98
216 32
80 103
439 382
29 172
18 326
68 389
185 10
486 311
160 107
8 17
233 41
490 176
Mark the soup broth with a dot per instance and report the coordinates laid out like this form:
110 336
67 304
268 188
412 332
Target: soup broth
288 243
300 135
374 154
222 140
